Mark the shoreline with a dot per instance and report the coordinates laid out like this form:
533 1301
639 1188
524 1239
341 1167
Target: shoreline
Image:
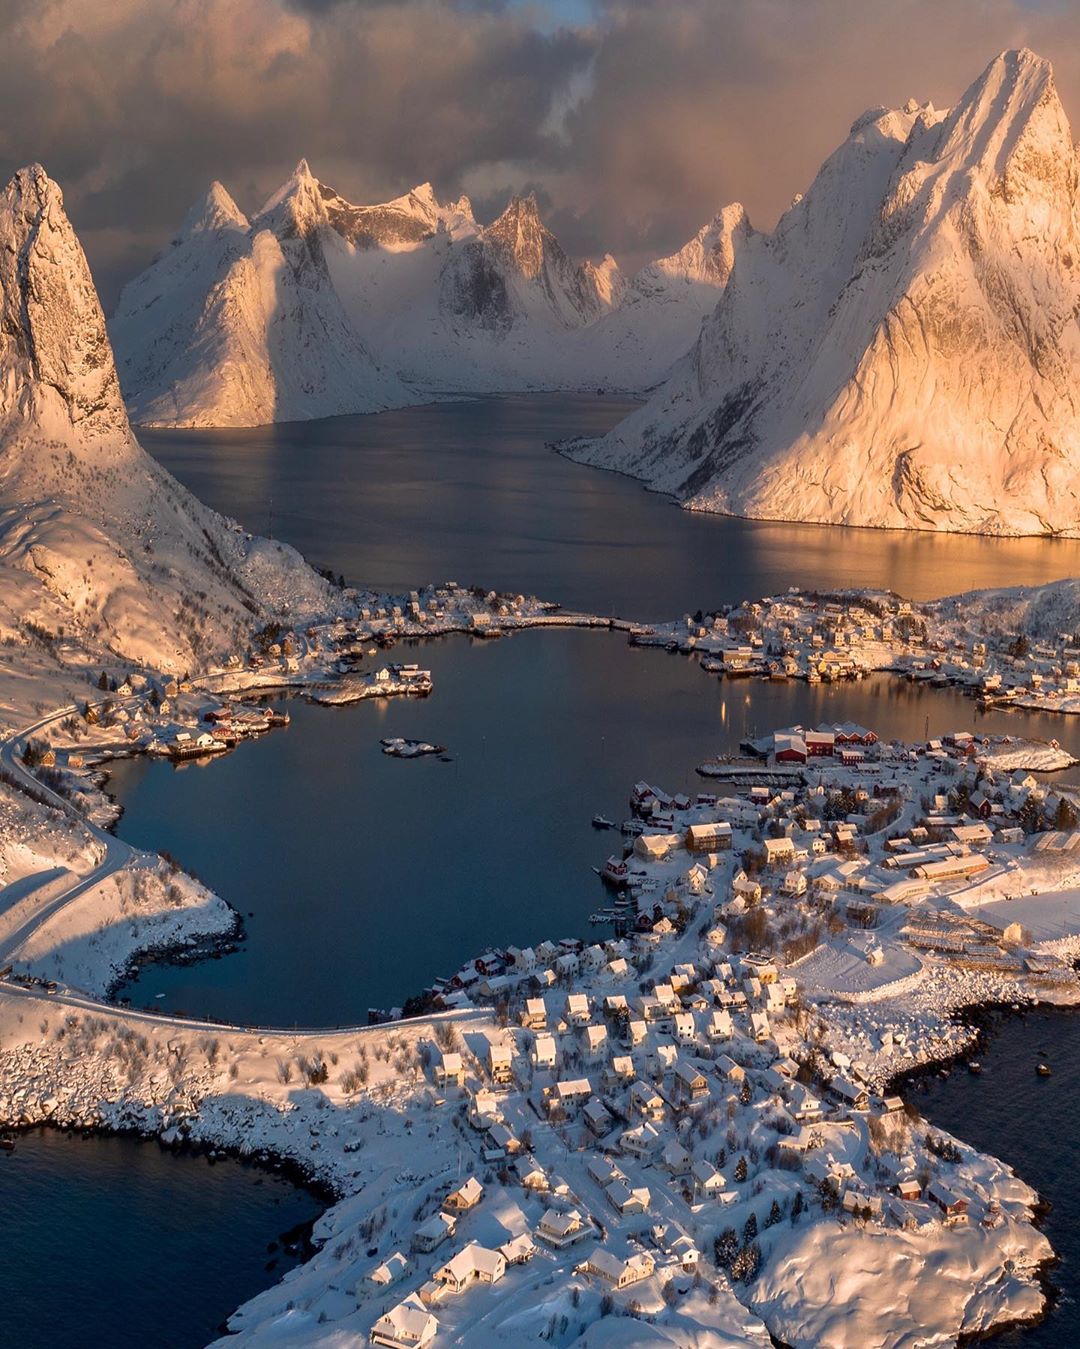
217 1132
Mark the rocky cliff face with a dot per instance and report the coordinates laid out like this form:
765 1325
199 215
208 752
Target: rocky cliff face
515 269
55 358
97 543
903 349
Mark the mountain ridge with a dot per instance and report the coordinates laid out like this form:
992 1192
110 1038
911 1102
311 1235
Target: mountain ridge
901 350
103 553
416 288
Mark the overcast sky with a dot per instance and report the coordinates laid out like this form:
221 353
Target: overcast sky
633 120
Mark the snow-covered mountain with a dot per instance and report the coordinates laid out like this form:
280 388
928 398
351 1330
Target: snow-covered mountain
318 306
237 323
100 549
903 349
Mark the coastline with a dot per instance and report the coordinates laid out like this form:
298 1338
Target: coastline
218 1132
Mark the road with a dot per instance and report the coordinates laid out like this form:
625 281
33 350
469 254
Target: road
115 853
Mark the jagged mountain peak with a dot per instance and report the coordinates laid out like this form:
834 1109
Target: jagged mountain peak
710 255
424 195
56 363
1011 126
903 349
606 281
216 210
523 236
296 207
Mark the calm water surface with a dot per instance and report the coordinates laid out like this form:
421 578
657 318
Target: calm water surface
367 876
467 491
1029 1122
113 1243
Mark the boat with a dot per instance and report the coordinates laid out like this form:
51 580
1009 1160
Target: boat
633 827
7 1145
1043 1070
602 822
974 1066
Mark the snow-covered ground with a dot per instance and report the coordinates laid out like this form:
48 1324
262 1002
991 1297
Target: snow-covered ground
694 1135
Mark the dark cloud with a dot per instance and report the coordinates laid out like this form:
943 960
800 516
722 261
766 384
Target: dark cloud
634 123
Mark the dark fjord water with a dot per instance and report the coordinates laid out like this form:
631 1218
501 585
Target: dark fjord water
467 491
113 1243
1029 1122
368 876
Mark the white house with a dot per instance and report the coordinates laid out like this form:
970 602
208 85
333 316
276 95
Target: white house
778 850
857 1097
643 1141
707 1180
625 1200
518 1250
598 1118
393 1268
500 1064
409 1325
676 1159
619 1273
543 1052
594 1042
449 1068
434 1232
562 1229
465 1197
472 1264
531 1175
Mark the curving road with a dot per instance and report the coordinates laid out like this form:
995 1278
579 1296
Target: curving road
115 853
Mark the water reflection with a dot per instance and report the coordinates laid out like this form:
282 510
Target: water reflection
468 491
369 876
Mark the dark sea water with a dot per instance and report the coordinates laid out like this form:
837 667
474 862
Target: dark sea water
1031 1123
366 876
113 1243
468 492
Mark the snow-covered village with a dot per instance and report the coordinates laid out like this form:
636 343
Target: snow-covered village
668 932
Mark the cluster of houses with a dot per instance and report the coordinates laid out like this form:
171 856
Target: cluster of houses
637 1124
823 638
795 636
636 1099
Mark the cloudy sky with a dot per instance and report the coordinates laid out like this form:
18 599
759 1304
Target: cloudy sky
633 120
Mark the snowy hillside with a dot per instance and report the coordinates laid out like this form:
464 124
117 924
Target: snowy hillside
238 324
902 350
100 549
319 306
